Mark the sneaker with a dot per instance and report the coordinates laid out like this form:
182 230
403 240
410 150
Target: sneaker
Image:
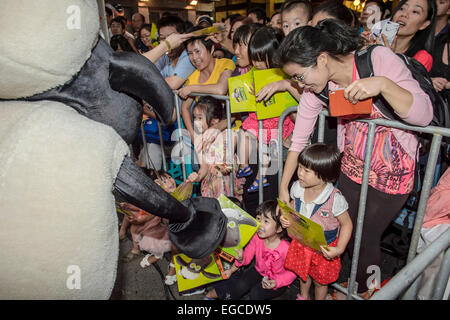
191 293
170 280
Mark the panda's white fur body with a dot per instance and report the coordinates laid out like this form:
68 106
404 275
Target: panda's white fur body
58 229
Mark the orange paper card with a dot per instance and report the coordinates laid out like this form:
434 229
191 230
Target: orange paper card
339 106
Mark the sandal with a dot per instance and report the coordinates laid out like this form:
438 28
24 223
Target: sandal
170 280
336 295
241 173
255 187
299 297
144 263
130 256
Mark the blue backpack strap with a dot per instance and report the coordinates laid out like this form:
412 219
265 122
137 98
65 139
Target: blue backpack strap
298 204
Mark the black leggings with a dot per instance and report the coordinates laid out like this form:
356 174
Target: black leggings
381 209
250 280
242 282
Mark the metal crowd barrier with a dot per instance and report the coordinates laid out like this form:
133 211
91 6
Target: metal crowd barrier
437 133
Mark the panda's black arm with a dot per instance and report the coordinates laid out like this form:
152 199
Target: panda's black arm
135 75
197 226
138 189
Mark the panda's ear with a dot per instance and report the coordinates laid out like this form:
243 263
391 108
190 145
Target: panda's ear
135 75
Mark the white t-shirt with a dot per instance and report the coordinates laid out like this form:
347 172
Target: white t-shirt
340 205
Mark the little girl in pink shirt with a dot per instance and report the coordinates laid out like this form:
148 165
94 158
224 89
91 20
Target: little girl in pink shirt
268 278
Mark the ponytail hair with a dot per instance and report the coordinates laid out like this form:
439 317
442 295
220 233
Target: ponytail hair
303 45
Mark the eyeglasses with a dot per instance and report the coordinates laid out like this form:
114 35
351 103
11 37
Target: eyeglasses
301 78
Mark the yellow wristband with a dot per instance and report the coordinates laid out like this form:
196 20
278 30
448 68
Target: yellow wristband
168 46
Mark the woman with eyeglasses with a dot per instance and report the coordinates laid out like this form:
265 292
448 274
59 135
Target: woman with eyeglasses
145 34
324 55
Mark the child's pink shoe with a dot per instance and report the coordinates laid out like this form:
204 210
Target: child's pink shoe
299 297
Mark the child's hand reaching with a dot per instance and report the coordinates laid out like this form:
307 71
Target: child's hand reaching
270 89
268 283
193 177
239 255
228 273
138 216
331 253
285 223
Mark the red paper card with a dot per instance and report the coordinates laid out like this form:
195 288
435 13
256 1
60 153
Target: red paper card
339 106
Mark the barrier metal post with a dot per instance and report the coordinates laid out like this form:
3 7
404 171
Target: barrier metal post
283 115
321 129
426 187
260 165
144 140
230 151
361 209
411 293
180 138
161 143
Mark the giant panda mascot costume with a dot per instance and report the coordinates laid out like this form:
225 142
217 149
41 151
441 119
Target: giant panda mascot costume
69 106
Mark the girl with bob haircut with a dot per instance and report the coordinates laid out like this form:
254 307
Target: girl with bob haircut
315 197
324 55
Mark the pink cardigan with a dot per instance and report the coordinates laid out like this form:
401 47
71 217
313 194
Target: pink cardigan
268 262
385 63
438 207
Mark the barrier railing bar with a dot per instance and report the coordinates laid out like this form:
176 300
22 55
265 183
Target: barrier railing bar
345 291
398 125
443 277
395 286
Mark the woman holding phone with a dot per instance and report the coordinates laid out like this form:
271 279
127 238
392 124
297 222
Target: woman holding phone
415 35
324 55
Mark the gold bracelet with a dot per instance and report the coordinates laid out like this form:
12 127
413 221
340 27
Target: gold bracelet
168 46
